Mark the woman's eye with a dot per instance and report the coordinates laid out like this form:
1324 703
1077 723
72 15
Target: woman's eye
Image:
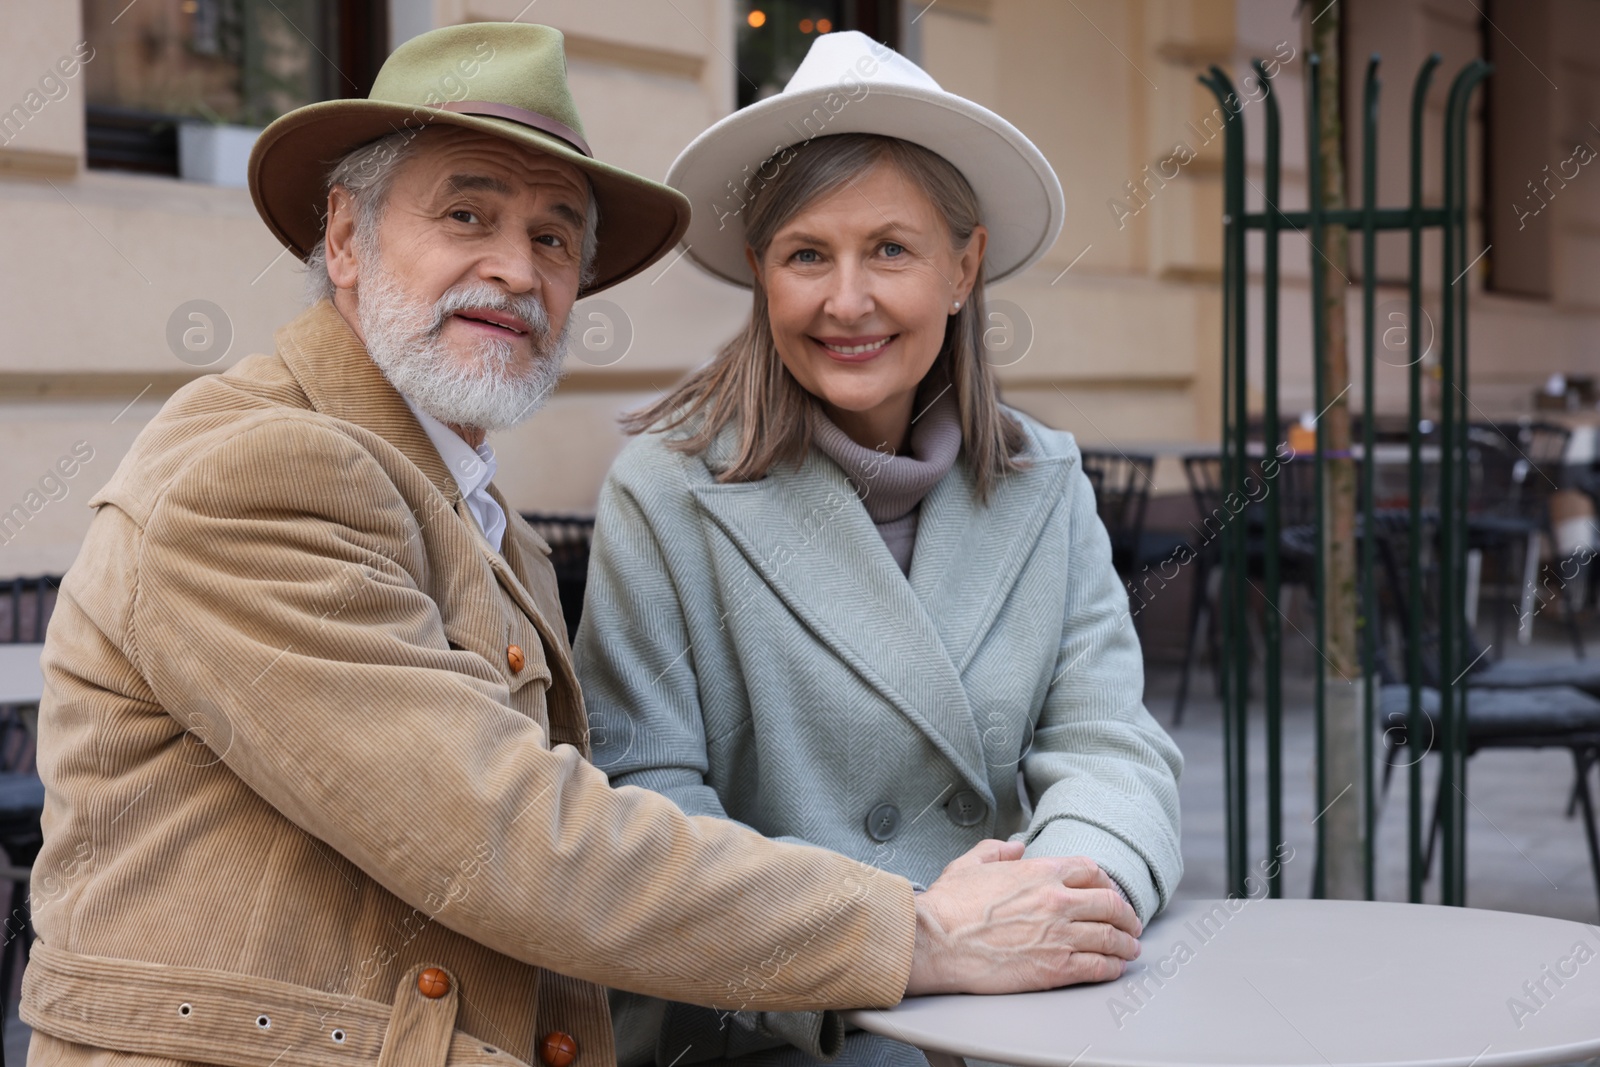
807 255
893 250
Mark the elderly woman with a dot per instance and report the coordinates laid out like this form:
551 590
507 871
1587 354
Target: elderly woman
838 591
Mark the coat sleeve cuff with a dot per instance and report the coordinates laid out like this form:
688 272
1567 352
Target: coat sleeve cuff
1069 837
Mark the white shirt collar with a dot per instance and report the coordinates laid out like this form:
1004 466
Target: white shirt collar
472 469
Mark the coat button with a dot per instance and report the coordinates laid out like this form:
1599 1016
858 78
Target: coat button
558 1050
515 659
883 822
965 808
433 983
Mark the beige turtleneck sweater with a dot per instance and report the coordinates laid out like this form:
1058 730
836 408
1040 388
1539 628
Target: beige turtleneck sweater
892 486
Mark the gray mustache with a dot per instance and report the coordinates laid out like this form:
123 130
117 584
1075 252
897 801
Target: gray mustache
529 308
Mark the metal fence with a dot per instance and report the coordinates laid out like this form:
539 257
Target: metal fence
1432 537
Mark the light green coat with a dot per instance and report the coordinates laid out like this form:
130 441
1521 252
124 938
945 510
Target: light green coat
752 651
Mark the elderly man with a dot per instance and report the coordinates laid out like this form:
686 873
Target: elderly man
314 749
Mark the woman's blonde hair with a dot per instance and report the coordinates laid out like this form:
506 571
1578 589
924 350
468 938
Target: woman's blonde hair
747 383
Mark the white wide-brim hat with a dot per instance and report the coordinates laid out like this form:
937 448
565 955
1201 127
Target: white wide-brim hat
849 83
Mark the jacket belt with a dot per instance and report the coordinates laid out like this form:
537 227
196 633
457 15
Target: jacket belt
239 1020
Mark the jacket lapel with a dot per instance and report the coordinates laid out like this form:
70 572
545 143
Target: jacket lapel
807 536
968 555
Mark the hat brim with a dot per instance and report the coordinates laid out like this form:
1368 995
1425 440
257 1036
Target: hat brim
640 220
1019 196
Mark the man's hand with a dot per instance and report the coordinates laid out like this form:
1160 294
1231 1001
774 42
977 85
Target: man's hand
997 923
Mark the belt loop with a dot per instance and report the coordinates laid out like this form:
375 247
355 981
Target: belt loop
423 1019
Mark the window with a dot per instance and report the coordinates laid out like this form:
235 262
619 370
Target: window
242 62
774 36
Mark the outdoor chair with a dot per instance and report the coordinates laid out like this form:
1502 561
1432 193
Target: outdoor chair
1512 470
1097 481
1122 495
25 608
1499 716
1583 674
1556 716
1486 673
1204 474
569 537
1297 556
21 805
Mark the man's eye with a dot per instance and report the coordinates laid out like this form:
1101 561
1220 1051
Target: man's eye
463 215
552 240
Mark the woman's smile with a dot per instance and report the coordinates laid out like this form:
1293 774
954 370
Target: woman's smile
855 349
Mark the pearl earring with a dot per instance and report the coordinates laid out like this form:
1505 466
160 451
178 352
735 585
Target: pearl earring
956 306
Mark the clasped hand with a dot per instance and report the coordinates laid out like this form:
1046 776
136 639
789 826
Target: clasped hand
997 923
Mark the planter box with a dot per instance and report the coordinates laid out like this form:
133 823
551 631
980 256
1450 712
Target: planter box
217 155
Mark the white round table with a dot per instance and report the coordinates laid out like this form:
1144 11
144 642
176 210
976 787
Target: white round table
1296 983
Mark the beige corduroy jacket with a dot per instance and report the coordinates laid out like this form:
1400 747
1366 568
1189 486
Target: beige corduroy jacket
289 763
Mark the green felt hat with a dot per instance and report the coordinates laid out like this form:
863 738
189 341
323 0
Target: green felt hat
504 78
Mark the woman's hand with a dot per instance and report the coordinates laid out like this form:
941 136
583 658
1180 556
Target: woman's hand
997 923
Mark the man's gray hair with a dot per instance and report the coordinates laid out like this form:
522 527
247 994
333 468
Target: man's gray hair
367 174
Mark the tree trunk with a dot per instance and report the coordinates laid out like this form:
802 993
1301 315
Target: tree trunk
1343 731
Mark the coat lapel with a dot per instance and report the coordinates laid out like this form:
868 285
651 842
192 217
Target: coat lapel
968 555
807 536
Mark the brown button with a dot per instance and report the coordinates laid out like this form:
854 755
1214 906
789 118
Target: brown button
558 1050
433 983
515 659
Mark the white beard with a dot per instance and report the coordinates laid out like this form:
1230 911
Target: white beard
402 336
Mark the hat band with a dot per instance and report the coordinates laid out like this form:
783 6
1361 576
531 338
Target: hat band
542 123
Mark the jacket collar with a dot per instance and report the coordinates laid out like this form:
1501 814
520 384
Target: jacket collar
807 535
339 378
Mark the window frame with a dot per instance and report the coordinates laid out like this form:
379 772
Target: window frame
146 142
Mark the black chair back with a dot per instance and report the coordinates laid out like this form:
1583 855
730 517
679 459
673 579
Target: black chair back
1122 493
26 605
1097 481
1294 483
25 608
1514 468
569 537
